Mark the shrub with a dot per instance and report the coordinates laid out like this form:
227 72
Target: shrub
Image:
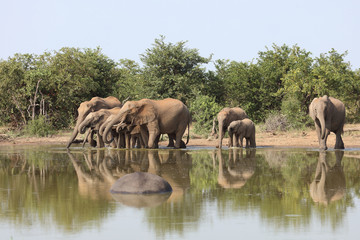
204 109
276 121
39 127
295 112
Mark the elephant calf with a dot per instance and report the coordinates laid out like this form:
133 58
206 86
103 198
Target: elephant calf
241 129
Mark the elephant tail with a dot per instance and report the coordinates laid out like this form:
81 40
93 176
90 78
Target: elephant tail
188 136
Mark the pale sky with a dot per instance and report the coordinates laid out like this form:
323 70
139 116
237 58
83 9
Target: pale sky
228 29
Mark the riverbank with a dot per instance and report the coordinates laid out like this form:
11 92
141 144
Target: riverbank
293 138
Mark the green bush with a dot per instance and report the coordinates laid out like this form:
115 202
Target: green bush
295 112
39 127
203 110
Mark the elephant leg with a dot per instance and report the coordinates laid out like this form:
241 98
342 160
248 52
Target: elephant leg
100 141
157 139
121 140
236 140
91 140
127 140
144 135
133 141
182 144
339 144
171 140
138 141
179 140
154 133
323 141
248 142
241 138
231 134
252 141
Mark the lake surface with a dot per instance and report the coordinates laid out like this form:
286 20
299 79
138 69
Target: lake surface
47 192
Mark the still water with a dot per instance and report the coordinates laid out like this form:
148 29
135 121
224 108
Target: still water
47 192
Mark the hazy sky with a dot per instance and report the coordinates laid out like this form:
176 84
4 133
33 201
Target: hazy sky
229 29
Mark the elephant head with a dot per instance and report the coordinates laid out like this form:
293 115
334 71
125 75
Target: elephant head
235 126
93 120
329 183
132 113
95 104
225 117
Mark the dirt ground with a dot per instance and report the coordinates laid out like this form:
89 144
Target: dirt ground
307 138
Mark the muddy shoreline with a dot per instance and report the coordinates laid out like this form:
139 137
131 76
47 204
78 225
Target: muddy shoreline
303 139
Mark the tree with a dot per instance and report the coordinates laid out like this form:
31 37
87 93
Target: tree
172 70
129 84
339 81
77 75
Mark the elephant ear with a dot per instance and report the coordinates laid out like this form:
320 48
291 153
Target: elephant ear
145 114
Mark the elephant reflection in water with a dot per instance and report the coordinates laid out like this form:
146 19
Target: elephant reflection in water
238 170
329 183
96 181
109 165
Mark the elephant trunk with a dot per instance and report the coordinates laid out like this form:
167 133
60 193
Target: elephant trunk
108 128
72 138
84 125
221 133
76 128
102 128
87 136
322 125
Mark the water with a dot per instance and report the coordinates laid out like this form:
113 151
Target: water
47 192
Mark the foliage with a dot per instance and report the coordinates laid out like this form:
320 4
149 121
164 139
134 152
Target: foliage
281 79
203 110
172 70
129 81
39 127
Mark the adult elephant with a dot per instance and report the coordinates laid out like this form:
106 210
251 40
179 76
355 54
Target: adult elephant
94 120
328 114
155 117
225 117
95 104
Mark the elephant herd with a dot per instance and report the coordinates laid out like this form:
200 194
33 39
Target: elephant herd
136 123
141 123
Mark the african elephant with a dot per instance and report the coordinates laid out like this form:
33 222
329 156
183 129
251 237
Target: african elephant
329 183
95 104
131 135
328 114
94 120
155 117
225 117
240 129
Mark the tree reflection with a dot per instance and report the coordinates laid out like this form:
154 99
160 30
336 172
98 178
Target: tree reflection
282 187
41 188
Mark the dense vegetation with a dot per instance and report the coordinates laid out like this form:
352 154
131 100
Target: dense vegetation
281 80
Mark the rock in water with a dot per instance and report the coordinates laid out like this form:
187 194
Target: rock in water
141 183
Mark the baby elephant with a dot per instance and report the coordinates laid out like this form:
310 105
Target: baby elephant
241 129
